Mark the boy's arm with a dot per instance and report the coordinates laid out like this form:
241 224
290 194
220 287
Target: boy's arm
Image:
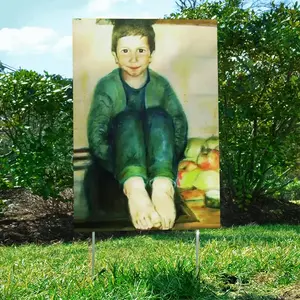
175 109
98 126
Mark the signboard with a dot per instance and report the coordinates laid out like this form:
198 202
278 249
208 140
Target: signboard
146 147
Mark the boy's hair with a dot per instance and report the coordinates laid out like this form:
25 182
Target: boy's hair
135 27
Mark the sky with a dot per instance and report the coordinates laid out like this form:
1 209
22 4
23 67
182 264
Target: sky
37 34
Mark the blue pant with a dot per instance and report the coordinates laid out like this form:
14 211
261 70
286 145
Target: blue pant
143 144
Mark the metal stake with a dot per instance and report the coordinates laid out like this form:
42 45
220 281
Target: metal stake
197 251
93 254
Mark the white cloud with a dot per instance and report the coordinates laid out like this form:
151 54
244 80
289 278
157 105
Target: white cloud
95 7
113 9
63 43
32 40
150 15
100 6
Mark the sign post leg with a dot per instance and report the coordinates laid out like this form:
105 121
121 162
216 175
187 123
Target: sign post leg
93 254
197 251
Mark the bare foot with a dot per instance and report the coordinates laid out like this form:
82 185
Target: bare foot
142 212
163 201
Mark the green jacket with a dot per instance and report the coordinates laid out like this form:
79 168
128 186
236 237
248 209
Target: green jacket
109 99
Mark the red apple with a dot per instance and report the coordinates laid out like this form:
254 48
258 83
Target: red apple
187 165
209 161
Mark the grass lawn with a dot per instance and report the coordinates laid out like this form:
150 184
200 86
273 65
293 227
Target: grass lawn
249 262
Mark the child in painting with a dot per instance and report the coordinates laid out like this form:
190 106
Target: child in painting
137 127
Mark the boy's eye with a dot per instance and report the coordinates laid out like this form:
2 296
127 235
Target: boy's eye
142 50
124 51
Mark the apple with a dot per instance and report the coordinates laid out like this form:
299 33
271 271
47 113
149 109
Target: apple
195 145
207 180
187 165
213 143
192 195
212 199
185 179
209 161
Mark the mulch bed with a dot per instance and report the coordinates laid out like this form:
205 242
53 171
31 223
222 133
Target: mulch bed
28 218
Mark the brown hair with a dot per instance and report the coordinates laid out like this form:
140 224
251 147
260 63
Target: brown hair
135 27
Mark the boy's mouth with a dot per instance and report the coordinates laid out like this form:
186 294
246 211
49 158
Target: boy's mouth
134 68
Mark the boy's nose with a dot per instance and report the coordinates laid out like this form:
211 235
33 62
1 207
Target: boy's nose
133 57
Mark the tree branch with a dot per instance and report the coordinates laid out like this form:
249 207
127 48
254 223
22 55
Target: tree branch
184 4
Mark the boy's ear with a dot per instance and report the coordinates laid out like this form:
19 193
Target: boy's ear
115 57
151 56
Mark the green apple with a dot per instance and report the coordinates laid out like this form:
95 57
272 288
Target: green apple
193 147
212 199
185 179
207 180
213 143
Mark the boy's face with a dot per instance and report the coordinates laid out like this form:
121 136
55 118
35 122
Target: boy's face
133 55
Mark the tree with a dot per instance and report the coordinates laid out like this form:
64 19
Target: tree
184 4
36 132
259 81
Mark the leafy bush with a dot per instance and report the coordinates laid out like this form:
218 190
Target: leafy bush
259 92
36 132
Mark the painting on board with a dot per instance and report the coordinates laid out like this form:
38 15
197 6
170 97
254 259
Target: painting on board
146 135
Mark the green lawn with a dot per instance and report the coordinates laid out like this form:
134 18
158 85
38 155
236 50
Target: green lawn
250 262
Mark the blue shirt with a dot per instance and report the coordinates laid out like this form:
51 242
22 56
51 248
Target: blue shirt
135 97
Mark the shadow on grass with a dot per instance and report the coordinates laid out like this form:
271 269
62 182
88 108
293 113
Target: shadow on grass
166 282
158 282
257 233
256 297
